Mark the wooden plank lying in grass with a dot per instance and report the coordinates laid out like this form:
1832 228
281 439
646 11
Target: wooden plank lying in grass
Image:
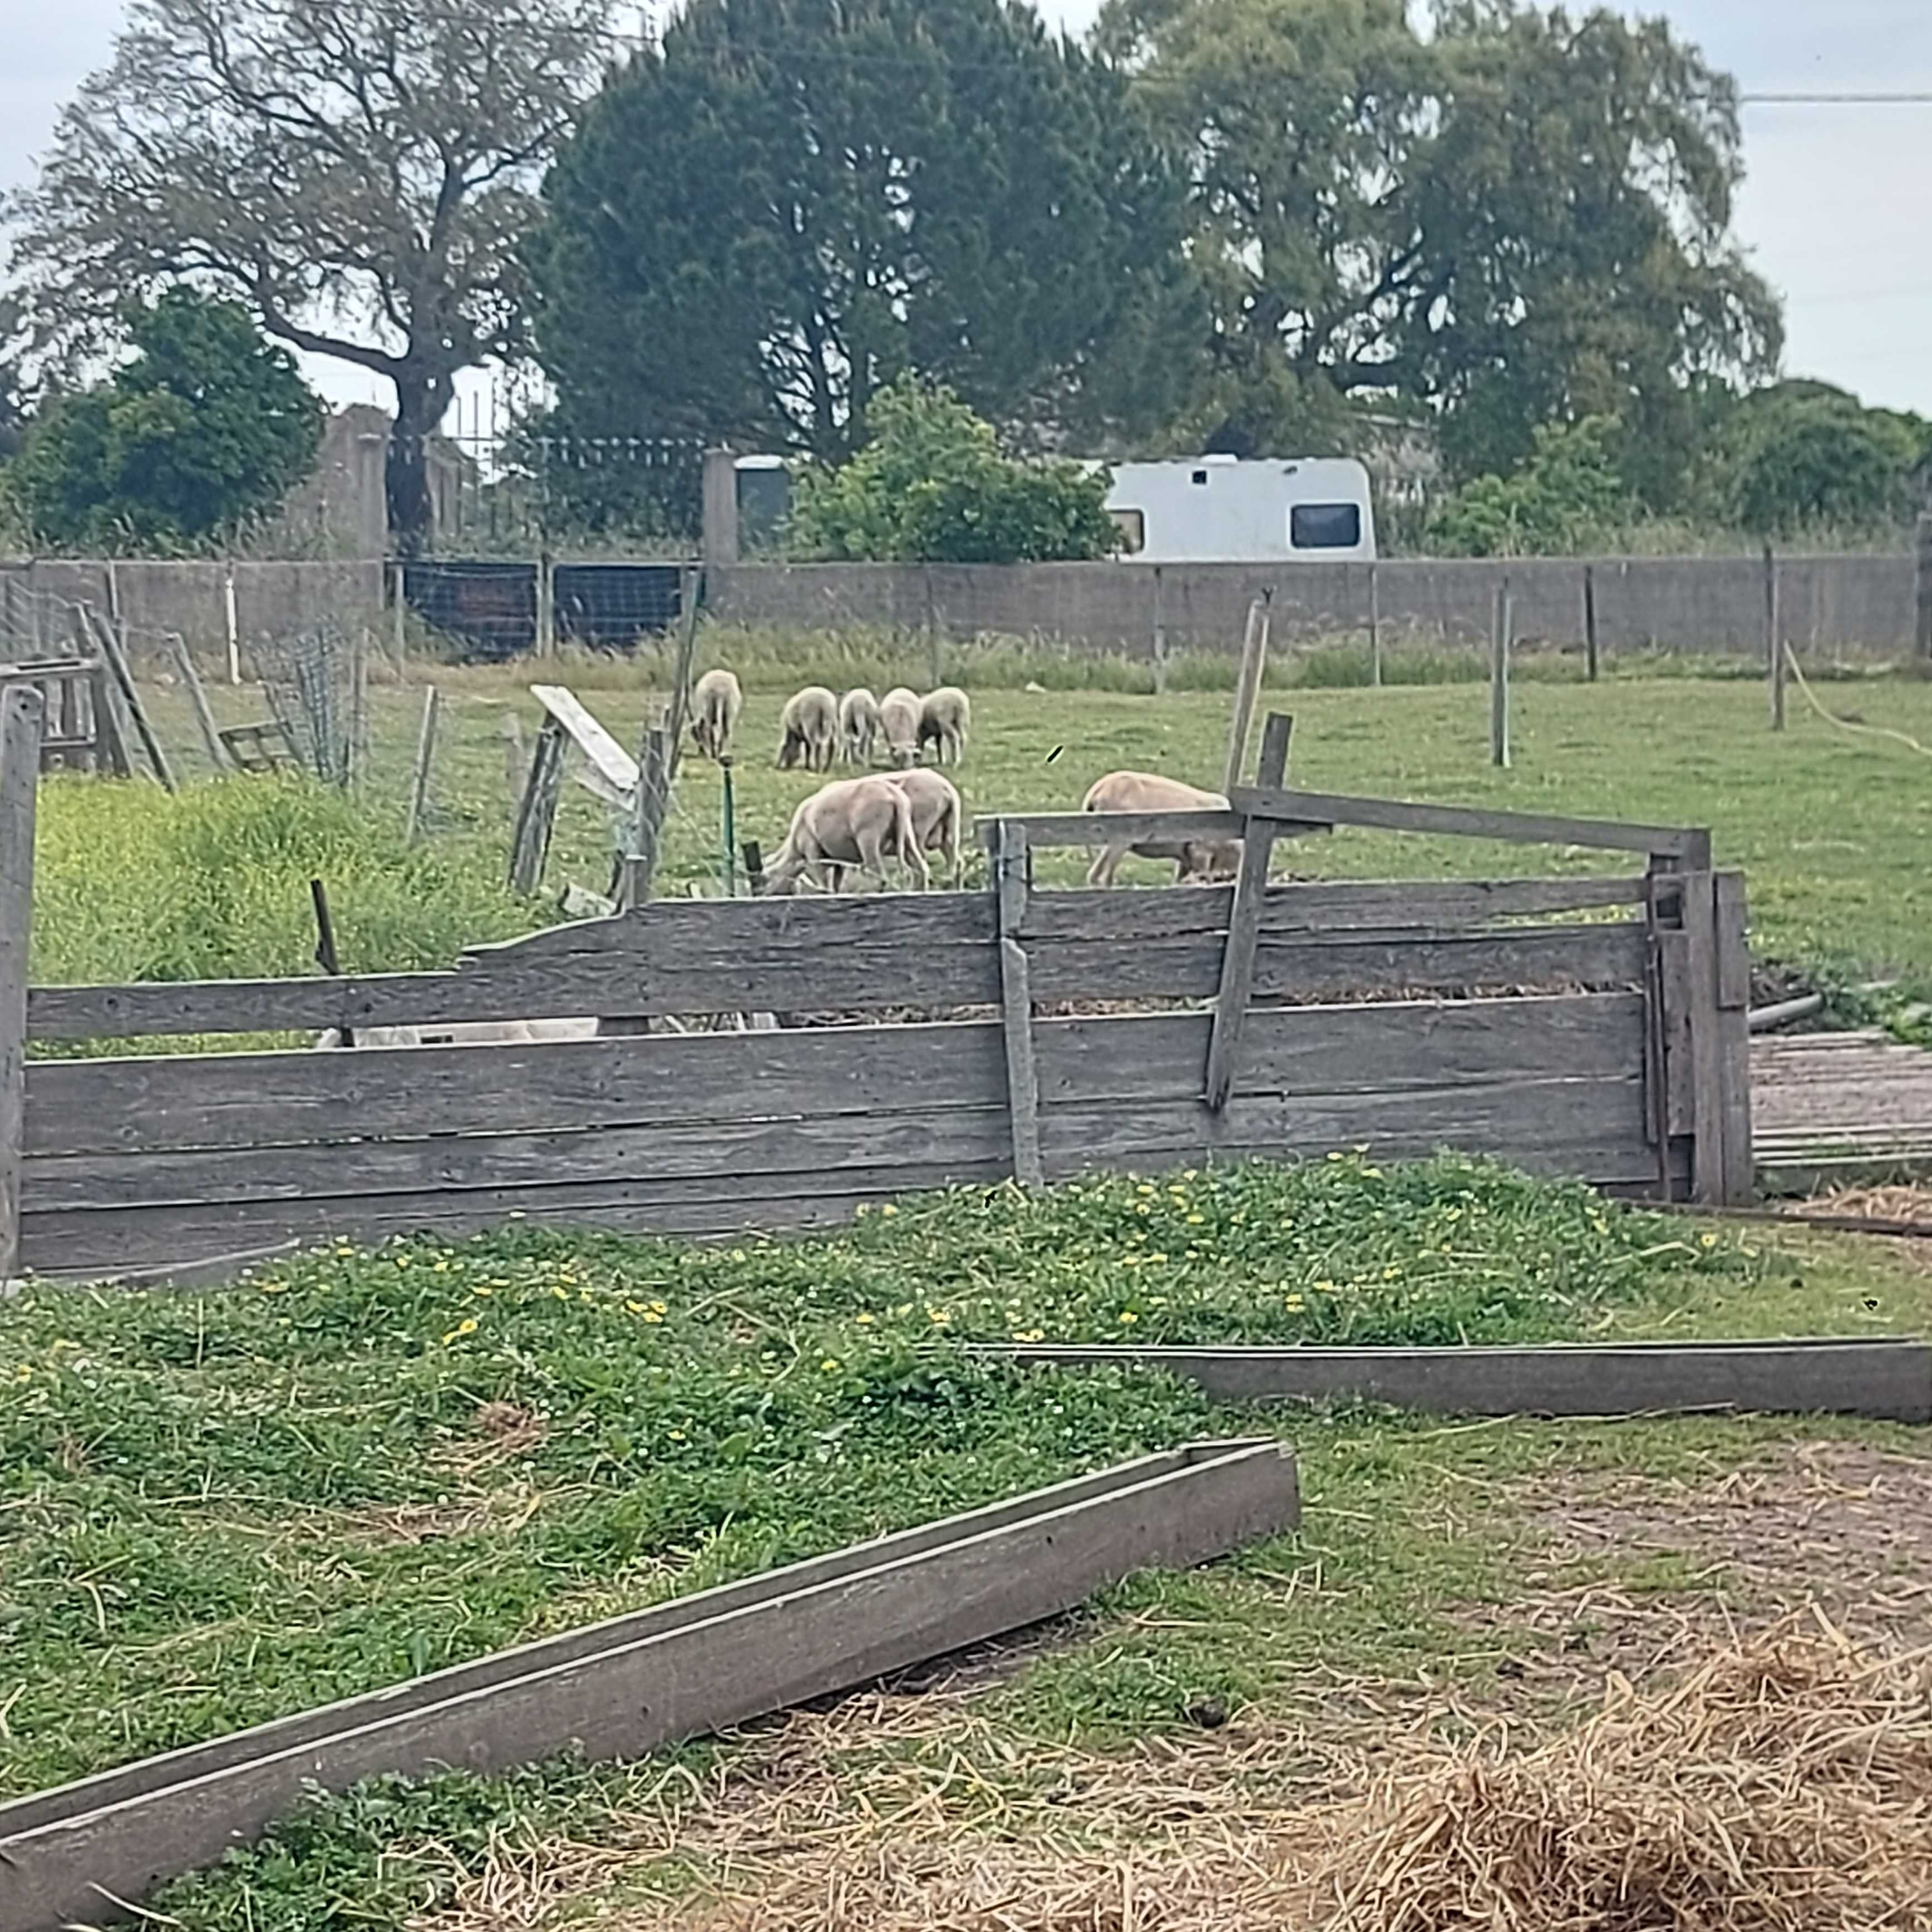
633 1684
1890 1378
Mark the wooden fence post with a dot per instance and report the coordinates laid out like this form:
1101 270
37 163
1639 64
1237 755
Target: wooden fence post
536 814
1159 633
1590 622
1924 586
1247 685
637 868
399 613
1718 997
425 759
1244 922
22 710
1504 624
197 695
1011 866
122 680
231 625
1774 639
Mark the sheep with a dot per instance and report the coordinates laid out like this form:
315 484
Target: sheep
715 702
1195 860
464 1032
858 725
938 813
899 725
945 718
860 822
809 730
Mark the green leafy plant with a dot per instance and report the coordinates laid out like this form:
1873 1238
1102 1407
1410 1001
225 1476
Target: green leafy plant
1564 498
932 485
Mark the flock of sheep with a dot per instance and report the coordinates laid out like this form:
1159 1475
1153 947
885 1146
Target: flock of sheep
857 822
911 810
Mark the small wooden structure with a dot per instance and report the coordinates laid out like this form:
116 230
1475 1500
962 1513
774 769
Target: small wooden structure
83 730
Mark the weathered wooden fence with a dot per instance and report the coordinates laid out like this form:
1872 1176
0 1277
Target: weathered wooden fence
1586 1026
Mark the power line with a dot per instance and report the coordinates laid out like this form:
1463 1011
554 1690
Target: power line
1879 100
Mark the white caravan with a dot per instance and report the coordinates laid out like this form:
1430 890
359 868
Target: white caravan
1218 509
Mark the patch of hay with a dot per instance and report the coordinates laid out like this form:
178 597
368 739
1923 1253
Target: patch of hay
1784 1785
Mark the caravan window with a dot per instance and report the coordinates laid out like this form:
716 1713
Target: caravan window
1325 526
1133 530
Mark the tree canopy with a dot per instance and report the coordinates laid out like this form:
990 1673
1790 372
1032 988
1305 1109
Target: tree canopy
765 219
1523 218
932 486
207 426
358 172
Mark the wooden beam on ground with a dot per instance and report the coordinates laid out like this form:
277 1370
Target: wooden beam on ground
1046 830
622 1688
419 777
22 711
1244 922
1889 1379
1688 845
204 714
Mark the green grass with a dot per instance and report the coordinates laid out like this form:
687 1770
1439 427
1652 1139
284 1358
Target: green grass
218 1507
1831 828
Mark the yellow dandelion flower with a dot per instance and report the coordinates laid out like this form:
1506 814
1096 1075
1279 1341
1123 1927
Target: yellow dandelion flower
1128 1315
1195 1220
442 1267
1293 1304
677 1435
830 1365
481 1288
863 1321
635 1307
939 1317
660 1308
1157 1257
652 1316
402 1261
1029 1334
1710 1241
889 1209
558 1293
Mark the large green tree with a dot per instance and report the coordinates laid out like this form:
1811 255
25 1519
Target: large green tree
206 426
1522 218
1800 455
788 203
358 171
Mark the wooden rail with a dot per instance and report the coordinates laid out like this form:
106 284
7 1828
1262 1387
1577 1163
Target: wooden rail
1890 1379
624 1687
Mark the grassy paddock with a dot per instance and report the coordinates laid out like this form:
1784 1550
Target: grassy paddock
1831 825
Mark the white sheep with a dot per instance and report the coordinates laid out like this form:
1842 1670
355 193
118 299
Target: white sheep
809 730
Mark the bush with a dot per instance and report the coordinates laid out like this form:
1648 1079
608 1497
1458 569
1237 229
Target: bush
932 486
1564 498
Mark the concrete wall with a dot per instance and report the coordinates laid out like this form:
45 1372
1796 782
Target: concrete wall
157 597
1829 603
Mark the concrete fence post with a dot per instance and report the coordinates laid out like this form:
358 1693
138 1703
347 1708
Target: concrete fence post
1924 633
22 710
719 545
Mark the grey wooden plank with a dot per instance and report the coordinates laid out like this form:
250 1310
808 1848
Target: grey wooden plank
967 1141
607 758
1730 927
1589 1129
22 715
1011 868
1237 958
641 1691
1046 830
1708 1170
1680 1071
264 1100
416 1694
241 1100
71 1245
1891 1379
1691 845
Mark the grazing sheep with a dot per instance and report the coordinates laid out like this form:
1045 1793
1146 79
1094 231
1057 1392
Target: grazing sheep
938 813
715 702
464 1033
809 730
1194 859
945 719
860 822
858 725
899 725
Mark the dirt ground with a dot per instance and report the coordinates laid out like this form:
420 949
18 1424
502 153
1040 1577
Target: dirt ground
903 1806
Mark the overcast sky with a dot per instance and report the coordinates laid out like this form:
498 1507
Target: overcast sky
1836 210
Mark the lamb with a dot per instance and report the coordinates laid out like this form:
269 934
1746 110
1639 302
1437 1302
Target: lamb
809 730
715 702
899 725
859 822
1195 860
858 725
464 1032
945 718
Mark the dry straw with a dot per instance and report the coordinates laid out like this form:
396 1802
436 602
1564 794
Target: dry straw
1784 1785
